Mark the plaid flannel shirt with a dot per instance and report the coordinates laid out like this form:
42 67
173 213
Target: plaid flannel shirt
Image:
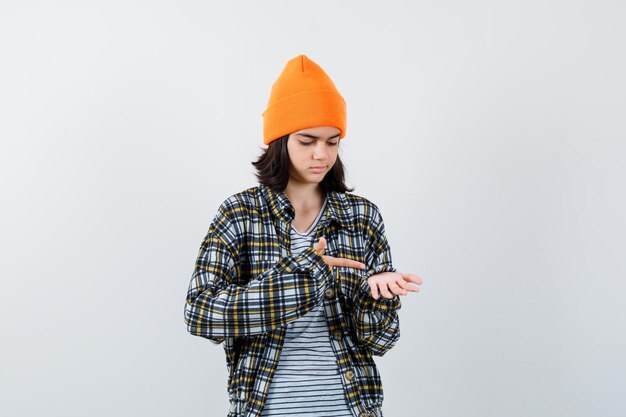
247 285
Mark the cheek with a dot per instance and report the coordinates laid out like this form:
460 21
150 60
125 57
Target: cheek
301 161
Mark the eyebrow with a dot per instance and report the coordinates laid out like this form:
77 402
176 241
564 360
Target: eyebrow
308 135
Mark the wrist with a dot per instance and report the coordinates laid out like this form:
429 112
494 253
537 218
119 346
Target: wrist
364 293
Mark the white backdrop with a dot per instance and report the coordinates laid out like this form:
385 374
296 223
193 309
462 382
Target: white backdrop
490 134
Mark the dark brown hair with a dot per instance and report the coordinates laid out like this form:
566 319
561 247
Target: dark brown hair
272 168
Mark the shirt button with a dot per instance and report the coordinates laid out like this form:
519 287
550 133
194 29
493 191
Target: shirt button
330 293
349 375
337 334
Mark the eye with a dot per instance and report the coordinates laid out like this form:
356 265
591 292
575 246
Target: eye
306 143
333 143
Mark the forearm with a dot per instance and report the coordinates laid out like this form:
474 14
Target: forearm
288 290
376 321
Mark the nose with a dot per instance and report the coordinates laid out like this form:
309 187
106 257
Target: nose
320 151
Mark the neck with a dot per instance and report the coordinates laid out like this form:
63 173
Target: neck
304 196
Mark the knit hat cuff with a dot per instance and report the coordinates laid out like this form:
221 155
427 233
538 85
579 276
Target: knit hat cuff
304 110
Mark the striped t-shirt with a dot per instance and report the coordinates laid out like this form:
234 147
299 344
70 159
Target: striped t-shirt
307 380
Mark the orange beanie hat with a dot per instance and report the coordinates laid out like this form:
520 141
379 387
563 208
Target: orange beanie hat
303 96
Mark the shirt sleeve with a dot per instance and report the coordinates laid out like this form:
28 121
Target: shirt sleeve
216 308
376 321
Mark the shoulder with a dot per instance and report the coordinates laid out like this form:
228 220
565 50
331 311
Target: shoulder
363 209
368 220
244 200
237 208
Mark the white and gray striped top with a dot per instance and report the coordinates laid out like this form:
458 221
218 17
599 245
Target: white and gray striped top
307 380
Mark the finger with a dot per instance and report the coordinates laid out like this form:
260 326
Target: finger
374 288
385 291
412 288
400 283
407 286
412 278
396 289
349 263
320 246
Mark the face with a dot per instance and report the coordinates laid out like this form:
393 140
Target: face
312 148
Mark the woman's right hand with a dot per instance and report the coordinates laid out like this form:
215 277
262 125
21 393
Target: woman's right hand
331 261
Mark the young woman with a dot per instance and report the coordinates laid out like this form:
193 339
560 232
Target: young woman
290 275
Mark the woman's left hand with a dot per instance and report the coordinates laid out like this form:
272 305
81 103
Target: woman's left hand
393 282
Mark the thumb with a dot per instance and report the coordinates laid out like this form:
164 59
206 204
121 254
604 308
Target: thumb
321 244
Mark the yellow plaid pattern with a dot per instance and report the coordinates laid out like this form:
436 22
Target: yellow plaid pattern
247 285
